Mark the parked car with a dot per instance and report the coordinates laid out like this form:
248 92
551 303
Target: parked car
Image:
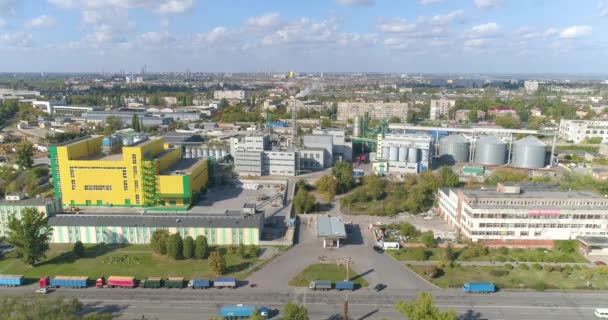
379 287
43 290
378 249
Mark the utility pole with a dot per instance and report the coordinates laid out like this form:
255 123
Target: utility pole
346 308
347 270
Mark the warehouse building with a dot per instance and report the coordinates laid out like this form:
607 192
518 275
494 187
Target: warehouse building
100 171
524 214
126 117
232 228
13 205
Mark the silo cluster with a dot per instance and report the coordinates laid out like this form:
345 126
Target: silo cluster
204 152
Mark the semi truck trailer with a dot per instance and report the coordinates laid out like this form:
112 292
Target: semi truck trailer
241 311
478 287
320 285
224 283
9 280
199 284
69 282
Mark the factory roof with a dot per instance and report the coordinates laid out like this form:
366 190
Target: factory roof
27 202
330 227
530 194
158 220
593 241
183 165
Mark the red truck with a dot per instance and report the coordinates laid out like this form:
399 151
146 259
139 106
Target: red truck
116 281
44 282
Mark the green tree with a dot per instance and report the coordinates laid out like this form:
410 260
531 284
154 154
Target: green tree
188 247
78 249
326 123
294 311
328 186
566 246
158 243
343 172
428 238
253 251
25 155
175 246
408 230
448 178
507 122
201 249
135 124
394 119
217 263
303 202
423 308
30 235
374 186
241 251
113 124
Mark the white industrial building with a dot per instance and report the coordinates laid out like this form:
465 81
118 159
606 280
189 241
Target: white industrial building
342 150
531 86
579 130
239 95
525 214
403 153
377 110
440 107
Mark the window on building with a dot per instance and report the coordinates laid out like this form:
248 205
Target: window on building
125 185
135 170
73 185
137 199
136 184
134 159
97 188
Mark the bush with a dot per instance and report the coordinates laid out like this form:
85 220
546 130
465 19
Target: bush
508 266
499 272
548 268
188 247
254 251
78 249
503 250
175 247
431 271
201 249
539 286
501 259
241 251
158 243
428 238
557 268
217 263
537 267
232 249
524 266
566 246
568 269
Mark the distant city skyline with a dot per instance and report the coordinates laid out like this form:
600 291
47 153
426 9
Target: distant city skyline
410 36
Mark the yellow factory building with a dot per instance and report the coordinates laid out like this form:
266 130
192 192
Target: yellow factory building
100 171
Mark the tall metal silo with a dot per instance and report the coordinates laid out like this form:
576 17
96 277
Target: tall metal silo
424 155
357 127
454 148
218 153
529 153
188 153
491 151
402 154
205 153
393 154
385 152
412 155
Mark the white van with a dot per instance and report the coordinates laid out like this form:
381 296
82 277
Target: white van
601 313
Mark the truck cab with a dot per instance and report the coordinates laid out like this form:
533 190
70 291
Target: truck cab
99 283
44 282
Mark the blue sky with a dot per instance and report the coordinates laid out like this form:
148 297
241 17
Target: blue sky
473 36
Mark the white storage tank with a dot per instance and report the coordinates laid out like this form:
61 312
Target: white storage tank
529 153
412 155
385 153
424 155
393 154
491 151
205 153
402 154
217 153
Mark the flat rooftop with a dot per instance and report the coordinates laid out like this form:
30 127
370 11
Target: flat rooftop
593 241
330 227
533 194
157 220
27 202
184 165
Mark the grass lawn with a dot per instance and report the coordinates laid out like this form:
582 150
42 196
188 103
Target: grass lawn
502 255
516 278
323 271
113 260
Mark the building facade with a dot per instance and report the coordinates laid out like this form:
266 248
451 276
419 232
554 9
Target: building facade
403 153
525 214
147 174
14 208
342 150
440 107
229 229
239 95
376 110
579 130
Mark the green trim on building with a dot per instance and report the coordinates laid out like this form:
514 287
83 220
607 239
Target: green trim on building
224 235
54 171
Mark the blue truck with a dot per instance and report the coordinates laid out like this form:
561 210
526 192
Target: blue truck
478 287
199 284
224 283
9 280
240 311
69 282
345 285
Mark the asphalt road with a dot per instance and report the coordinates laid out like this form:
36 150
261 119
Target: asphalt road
185 304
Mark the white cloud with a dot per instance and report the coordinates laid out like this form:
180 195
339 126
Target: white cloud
575 32
427 2
159 6
265 21
214 36
8 7
443 19
356 2
550 32
43 21
488 4
397 26
484 30
475 43
16 40
2 23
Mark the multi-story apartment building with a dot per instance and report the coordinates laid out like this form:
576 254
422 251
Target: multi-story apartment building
579 130
91 171
531 86
377 110
441 107
527 214
239 95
